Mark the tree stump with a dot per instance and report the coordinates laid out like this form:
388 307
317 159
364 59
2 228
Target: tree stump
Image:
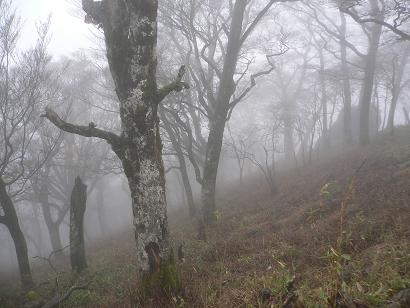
77 210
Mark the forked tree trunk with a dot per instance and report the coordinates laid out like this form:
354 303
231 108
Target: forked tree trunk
10 220
77 211
52 226
218 121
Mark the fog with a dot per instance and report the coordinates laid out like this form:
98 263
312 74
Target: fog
163 116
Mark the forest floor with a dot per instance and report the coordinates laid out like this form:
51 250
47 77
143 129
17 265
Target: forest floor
265 250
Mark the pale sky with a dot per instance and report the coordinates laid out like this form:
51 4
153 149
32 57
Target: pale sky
68 30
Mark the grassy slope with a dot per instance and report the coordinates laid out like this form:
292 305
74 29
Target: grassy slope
263 241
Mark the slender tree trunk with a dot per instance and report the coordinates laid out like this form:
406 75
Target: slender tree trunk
347 92
101 209
10 220
406 116
52 227
77 211
182 164
288 131
37 226
398 69
325 136
368 80
240 173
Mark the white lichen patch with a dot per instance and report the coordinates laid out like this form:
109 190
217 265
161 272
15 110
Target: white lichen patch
149 207
142 26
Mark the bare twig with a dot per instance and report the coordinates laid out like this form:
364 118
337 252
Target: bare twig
57 300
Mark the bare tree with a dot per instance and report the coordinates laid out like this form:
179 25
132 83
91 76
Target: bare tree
241 145
373 34
267 163
24 85
216 35
130 31
398 65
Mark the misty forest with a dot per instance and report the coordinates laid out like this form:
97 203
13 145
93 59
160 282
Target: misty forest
205 153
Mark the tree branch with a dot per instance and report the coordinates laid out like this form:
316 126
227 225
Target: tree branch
258 18
86 131
57 300
176 86
403 35
253 83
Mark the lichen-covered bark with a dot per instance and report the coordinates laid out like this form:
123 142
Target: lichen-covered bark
77 211
130 29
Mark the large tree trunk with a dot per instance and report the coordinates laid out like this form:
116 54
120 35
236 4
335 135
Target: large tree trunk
10 220
213 154
347 93
368 80
77 211
218 121
130 29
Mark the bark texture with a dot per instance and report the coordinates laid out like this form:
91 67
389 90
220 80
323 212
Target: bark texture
130 30
77 211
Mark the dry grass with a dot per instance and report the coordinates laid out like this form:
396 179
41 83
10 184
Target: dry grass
262 242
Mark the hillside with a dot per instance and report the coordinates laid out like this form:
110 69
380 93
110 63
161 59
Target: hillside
265 251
